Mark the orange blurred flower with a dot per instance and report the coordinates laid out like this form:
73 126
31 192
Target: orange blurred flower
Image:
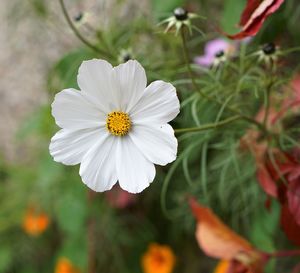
64 265
222 267
158 259
35 223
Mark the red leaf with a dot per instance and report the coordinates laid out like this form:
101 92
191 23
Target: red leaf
236 267
269 173
293 198
254 15
252 5
289 225
266 181
284 169
214 237
254 267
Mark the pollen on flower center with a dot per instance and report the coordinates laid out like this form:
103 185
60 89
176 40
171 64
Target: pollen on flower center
118 123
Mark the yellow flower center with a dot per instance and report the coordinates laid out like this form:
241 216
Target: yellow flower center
118 123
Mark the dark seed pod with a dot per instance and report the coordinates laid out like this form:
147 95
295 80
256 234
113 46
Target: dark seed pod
220 54
269 48
180 14
126 57
78 17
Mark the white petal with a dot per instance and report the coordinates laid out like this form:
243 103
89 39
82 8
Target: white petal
135 172
95 81
98 166
73 111
69 146
156 142
130 81
158 103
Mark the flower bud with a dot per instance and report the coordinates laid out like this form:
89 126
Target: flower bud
269 48
78 17
180 14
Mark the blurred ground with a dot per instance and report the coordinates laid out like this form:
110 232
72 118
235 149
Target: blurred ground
29 45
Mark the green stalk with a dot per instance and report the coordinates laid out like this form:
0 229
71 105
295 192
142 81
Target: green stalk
268 96
78 34
187 60
208 126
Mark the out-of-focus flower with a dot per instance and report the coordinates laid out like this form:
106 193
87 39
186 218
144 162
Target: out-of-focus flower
78 17
116 126
81 18
254 15
222 267
158 259
268 54
64 265
181 17
218 51
218 241
34 222
119 198
125 55
215 52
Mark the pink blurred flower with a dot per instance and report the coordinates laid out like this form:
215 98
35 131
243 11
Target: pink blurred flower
213 49
218 50
120 199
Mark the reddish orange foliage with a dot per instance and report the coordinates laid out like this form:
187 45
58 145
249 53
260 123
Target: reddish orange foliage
273 165
158 259
254 15
214 237
219 241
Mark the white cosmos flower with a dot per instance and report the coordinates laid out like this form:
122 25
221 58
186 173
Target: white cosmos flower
116 127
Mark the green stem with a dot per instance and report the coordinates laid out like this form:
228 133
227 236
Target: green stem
291 50
267 108
231 109
208 126
187 61
268 97
78 34
105 43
